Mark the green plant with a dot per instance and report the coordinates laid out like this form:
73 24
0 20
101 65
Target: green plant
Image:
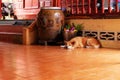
73 27
79 27
68 26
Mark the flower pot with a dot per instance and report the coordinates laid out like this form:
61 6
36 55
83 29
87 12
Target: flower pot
69 34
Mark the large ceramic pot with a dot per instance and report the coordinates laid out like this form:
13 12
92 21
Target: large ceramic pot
49 22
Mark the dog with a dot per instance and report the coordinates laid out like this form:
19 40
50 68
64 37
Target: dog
82 42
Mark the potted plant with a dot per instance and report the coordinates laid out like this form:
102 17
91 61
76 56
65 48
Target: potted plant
79 29
72 30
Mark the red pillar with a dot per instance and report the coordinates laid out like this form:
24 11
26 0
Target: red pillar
83 8
54 3
0 9
117 9
89 6
102 6
77 8
57 3
109 6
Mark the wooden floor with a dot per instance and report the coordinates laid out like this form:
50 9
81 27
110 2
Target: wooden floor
21 62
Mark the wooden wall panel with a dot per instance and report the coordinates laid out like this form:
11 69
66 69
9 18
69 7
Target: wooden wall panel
106 30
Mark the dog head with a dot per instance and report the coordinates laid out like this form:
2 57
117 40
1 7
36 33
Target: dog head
69 45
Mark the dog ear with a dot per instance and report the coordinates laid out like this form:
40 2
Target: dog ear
65 42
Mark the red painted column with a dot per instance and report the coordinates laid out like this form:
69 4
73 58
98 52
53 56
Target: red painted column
96 10
72 7
117 9
54 3
77 8
66 2
58 3
109 6
103 6
0 9
83 8
89 6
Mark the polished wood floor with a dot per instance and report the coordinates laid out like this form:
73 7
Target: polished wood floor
21 62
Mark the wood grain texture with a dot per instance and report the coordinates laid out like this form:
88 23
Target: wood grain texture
38 62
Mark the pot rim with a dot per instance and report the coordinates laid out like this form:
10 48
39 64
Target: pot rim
50 7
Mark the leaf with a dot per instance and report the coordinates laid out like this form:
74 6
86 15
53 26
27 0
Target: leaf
79 27
68 26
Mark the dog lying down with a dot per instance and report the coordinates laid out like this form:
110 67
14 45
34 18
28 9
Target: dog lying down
82 42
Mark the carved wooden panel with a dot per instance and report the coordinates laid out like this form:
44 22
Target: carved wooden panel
102 35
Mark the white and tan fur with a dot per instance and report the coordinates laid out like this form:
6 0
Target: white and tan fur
83 42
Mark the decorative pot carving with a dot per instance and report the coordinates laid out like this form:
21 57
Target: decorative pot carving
49 22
